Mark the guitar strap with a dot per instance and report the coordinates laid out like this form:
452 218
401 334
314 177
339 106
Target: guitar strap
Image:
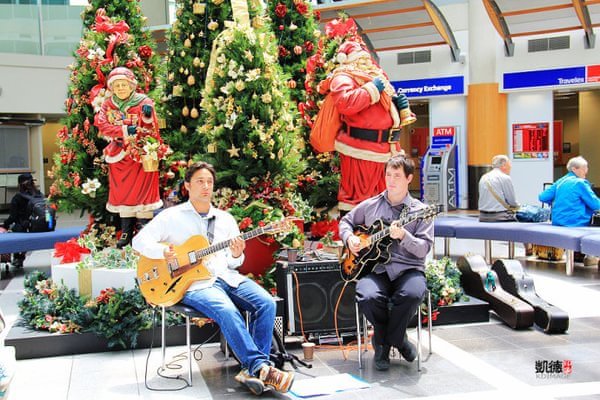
210 234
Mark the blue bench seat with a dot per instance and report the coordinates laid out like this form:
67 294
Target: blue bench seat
591 244
582 239
15 242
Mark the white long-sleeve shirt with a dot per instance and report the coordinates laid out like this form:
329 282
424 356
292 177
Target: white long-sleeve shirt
177 224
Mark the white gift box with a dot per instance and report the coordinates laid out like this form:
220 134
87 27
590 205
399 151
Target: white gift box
91 282
66 274
103 278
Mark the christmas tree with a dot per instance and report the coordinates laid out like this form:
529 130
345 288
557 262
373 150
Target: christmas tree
296 32
250 124
112 36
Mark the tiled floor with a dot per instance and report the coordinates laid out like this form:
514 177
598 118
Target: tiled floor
471 361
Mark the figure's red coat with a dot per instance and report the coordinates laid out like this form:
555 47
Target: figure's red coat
131 189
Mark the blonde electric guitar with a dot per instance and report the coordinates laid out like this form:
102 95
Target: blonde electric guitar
164 283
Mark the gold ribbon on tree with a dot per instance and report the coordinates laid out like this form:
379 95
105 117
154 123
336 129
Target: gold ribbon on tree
241 17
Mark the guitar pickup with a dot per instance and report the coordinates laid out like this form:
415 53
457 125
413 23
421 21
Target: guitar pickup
192 257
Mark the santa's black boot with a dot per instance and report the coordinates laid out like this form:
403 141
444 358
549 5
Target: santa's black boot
127 225
141 222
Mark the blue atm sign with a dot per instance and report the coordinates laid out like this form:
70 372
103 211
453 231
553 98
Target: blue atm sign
545 77
451 85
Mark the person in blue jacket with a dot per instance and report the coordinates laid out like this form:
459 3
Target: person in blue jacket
572 199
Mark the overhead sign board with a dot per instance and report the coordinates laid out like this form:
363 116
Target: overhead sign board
451 85
552 77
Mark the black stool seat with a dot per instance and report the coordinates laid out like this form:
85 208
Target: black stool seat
186 310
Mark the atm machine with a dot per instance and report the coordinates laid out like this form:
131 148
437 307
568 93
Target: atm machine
439 175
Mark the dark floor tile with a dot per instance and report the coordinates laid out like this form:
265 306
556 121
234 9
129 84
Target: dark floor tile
451 382
484 345
574 352
460 332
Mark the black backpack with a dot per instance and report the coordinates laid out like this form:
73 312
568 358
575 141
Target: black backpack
42 217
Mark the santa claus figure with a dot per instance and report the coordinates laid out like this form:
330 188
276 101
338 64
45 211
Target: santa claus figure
126 119
372 115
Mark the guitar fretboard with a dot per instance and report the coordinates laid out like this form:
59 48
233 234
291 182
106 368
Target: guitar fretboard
221 245
421 214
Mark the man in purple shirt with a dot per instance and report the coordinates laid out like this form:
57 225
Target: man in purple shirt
401 282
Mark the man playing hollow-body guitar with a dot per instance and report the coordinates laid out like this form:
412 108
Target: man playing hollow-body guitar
401 281
223 296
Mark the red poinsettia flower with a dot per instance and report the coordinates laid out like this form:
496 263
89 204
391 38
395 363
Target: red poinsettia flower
301 7
309 46
280 10
145 51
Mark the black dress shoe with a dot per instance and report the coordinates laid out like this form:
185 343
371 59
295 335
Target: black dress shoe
408 350
382 357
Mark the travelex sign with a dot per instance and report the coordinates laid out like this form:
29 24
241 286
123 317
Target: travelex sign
552 77
451 85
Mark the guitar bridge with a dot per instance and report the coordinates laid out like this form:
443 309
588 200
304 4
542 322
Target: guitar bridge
172 265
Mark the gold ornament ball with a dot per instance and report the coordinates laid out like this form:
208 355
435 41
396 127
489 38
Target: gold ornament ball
196 62
192 36
181 70
191 80
194 113
183 129
186 71
297 50
292 84
187 43
185 111
182 54
179 12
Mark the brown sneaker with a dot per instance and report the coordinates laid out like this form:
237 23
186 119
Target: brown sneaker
279 380
255 385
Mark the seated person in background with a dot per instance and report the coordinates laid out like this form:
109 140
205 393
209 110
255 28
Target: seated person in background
572 199
18 218
223 296
401 281
496 192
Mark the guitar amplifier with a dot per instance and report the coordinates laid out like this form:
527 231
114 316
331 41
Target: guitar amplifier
311 291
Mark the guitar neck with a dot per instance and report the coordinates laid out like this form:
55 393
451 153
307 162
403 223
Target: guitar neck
221 245
403 221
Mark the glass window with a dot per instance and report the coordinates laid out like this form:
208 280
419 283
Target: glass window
14 148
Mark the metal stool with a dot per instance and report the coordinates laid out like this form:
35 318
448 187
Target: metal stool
366 336
189 313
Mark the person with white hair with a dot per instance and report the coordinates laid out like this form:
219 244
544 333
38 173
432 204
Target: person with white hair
572 199
127 117
497 193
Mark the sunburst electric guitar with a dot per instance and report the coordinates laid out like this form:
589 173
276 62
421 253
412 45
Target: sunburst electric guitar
375 243
164 283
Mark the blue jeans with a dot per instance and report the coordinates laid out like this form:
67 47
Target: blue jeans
223 303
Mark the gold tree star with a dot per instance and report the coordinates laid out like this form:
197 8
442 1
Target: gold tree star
234 151
253 121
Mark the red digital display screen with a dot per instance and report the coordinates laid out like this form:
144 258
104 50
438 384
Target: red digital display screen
531 140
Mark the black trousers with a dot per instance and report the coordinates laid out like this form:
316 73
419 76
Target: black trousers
389 305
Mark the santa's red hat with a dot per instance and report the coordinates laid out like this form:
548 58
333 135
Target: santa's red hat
350 51
121 73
